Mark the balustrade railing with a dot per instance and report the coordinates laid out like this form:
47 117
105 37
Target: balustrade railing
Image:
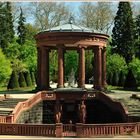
27 129
66 130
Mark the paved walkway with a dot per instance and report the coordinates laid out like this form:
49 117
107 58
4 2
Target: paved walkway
52 138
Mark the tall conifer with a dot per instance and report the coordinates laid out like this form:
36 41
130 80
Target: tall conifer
9 21
124 32
21 28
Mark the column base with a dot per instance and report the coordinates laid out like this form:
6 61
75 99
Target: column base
81 86
43 88
98 87
60 86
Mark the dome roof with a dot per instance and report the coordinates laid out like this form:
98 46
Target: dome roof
69 27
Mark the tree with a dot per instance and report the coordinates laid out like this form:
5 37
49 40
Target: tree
22 82
71 58
21 28
123 32
33 78
49 14
138 36
9 20
134 65
115 78
98 17
13 82
116 63
28 79
121 79
3 38
130 81
28 55
5 69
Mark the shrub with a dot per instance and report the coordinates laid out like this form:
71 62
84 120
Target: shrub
130 81
13 82
28 79
22 82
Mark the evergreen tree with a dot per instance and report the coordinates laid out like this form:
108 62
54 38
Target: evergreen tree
121 79
115 79
21 28
138 36
9 21
28 79
13 82
124 32
130 81
3 29
109 79
22 82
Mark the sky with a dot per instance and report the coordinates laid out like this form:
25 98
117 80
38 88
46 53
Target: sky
74 6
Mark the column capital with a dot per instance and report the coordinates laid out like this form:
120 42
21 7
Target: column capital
82 46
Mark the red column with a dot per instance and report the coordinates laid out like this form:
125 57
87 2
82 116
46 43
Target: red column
60 67
39 67
104 67
81 82
97 68
45 68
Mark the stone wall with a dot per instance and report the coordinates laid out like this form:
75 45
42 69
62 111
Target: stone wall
33 115
43 112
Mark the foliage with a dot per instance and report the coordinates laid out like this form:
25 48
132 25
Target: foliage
121 79
53 65
33 78
21 29
134 65
31 31
137 42
115 78
49 14
5 68
9 20
98 17
123 32
18 66
88 65
12 51
72 63
13 82
116 63
28 79
22 82
3 38
130 81
109 78
28 55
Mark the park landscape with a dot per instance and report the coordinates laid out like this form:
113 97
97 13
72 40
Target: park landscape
41 91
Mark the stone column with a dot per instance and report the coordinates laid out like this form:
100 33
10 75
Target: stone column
97 68
104 67
81 67
60 67
39 53
45 68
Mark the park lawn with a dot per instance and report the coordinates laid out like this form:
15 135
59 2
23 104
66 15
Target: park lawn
3 90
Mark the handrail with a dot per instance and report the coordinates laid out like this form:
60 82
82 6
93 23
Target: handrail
21 106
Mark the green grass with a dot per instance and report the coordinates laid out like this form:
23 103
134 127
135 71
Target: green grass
3 90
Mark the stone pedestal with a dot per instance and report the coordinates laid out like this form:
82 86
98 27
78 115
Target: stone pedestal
59 129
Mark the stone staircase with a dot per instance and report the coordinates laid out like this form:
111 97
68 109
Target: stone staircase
133 107
7 105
